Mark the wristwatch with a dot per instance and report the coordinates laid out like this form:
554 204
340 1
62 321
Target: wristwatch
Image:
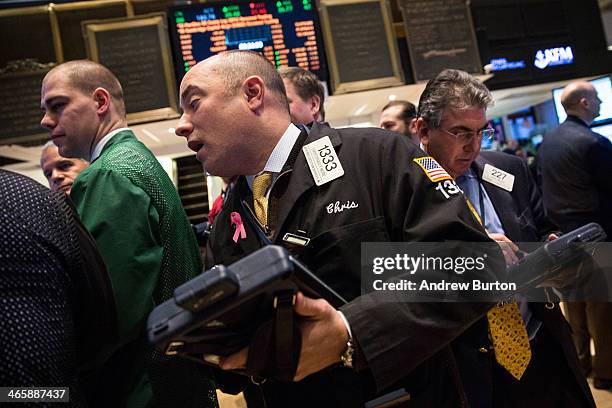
347 355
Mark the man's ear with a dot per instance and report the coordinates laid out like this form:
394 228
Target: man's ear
315 105
422 130
412 126
254 92
102 99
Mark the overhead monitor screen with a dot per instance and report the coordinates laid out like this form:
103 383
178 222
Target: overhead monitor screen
286 32
499 136
521 124
604 130
603 86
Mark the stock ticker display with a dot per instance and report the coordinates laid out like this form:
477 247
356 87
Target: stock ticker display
286 32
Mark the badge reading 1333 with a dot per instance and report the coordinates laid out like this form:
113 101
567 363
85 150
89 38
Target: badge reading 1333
323 161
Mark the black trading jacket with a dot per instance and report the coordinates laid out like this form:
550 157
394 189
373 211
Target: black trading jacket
394 200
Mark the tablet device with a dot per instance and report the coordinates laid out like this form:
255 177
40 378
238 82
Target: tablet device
546 261
218 311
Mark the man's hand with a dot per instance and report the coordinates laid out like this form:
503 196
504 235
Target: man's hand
508 247
324 335
324 338
232 362
574 274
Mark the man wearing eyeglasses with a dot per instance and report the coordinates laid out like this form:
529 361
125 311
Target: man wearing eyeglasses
502 193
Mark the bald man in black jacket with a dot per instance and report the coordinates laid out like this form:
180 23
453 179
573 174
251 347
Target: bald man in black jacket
575 167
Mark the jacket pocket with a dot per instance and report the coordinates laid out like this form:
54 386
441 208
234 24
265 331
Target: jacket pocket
335 255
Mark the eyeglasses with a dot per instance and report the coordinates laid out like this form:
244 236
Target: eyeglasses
467 136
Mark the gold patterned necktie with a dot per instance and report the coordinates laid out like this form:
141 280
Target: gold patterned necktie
508 333
261 182
509 336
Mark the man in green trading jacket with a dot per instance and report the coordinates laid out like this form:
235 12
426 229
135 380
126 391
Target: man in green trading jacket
132 209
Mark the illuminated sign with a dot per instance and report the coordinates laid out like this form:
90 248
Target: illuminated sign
553 56
502 64
284 31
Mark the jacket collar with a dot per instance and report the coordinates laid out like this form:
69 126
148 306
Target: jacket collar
299 179
577 120
294 180
119 137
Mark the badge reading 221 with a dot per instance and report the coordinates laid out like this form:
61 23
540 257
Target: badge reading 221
323 161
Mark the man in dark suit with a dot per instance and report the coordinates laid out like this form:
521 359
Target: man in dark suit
575 167
235 116
451 128
57 314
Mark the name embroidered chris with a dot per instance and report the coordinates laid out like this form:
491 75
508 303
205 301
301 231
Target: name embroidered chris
339 207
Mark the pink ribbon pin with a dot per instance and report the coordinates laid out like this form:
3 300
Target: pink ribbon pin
237 221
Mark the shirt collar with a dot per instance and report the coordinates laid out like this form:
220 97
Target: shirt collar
469 174
281 152
100 145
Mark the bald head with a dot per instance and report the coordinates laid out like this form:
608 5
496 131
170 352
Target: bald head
86 76
234 112
236 66
580 99
82 101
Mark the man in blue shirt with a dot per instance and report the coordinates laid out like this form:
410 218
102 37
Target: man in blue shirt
499 188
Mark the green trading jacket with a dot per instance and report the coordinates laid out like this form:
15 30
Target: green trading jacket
132 209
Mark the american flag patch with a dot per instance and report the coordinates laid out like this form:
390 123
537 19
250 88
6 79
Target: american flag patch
434 171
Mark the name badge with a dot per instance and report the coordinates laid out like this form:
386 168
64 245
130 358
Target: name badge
323 161
498 177
296 239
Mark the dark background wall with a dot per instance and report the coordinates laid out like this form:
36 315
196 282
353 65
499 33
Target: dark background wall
517 29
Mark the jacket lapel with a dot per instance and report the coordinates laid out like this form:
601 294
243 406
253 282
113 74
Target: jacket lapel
300 179
501 199
243 193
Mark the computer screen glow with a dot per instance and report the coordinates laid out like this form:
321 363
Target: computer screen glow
603 86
